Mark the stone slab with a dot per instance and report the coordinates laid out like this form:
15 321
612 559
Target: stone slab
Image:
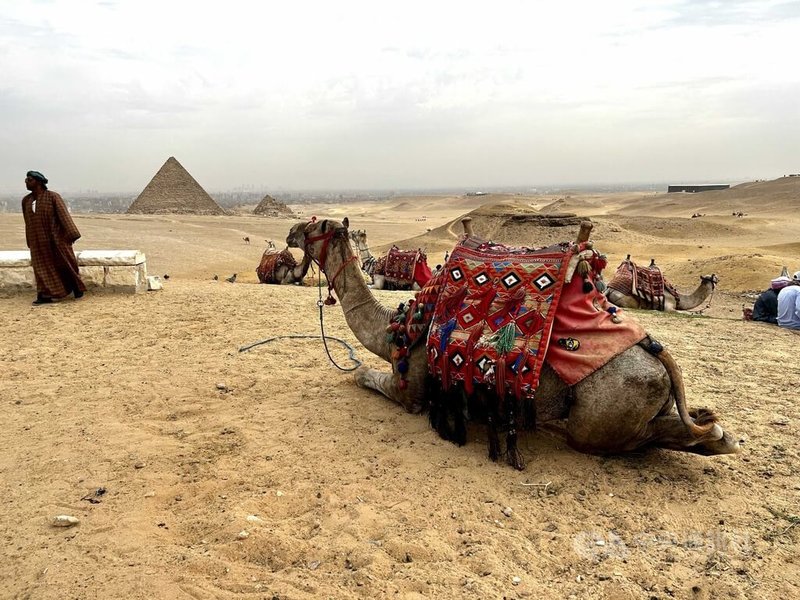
108 258
86 258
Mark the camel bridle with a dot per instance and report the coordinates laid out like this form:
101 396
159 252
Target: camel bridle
325 237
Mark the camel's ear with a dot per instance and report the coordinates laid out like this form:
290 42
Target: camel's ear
346 223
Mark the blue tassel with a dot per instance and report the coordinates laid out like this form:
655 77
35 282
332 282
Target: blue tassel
444 333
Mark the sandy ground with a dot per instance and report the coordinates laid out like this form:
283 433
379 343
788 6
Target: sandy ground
347 495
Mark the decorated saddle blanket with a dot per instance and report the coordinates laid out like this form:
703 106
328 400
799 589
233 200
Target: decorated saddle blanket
271 260
646 283
495 314
404 267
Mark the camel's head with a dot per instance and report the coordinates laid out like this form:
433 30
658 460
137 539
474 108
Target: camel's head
359 236
712 279
316 236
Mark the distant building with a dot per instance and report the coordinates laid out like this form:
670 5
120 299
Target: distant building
693 189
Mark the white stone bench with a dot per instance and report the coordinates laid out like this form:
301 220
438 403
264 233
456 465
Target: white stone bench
111 270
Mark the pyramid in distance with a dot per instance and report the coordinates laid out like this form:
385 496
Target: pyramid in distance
269 207
173 191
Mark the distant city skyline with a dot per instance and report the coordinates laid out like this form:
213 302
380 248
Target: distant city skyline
357 95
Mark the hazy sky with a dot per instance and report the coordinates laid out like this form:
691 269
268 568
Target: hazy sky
302 94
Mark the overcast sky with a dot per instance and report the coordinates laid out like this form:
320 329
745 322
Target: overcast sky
302 94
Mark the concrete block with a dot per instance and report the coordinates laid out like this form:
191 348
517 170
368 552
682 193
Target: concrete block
93 277
107 258
17 279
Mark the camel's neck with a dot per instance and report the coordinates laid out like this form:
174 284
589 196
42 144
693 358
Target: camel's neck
365 316
696 298
300 270
363 250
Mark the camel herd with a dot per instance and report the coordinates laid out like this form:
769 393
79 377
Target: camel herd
633 400
280 267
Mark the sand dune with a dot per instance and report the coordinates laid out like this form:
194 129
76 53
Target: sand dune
350 497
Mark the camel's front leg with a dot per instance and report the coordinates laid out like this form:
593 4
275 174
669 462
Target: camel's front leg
411 398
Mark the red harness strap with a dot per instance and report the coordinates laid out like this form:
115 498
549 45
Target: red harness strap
323 255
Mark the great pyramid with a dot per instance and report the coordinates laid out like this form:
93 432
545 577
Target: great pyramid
269 207
173 191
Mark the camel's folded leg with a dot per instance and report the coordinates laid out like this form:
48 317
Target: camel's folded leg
669 432
387 384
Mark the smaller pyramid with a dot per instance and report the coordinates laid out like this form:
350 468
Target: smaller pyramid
269 207
173 191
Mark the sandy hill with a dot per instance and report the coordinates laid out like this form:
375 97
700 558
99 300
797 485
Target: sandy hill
174 191
779 197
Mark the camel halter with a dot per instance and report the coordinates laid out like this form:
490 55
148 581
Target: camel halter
326 238
330 300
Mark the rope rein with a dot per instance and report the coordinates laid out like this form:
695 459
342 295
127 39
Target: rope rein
321 304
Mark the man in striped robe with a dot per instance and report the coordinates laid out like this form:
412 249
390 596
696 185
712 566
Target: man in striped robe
50 233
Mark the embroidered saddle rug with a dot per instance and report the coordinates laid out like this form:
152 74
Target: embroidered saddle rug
646 283
404 267
271 260
494 314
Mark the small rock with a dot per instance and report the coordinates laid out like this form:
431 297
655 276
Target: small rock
64 521
600 543
279 493
149 494
516 580
255 519
579 578
222 387
140 465
313 564
243 534
508 511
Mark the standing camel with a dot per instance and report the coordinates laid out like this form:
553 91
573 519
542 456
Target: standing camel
624 405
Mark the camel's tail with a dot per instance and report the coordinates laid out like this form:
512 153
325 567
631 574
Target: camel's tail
705 418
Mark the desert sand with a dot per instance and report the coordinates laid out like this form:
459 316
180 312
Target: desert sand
138 415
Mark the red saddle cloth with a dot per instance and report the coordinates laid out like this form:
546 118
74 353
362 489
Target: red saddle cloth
588 331
647 283
271 260
405 267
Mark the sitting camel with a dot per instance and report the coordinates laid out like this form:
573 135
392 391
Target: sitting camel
397 270
639 287
359 239
627 403
281 267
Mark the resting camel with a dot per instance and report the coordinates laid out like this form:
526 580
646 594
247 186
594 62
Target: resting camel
627 404
281 267
376 267
621 292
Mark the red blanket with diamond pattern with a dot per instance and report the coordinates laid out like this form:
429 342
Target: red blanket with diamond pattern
494 315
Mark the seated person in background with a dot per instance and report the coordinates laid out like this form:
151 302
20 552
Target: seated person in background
766 307
789 304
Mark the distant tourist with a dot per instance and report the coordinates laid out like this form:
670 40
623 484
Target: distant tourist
50 233
766 307
789 304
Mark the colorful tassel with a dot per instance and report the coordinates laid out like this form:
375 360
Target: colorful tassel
444 334
503 339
